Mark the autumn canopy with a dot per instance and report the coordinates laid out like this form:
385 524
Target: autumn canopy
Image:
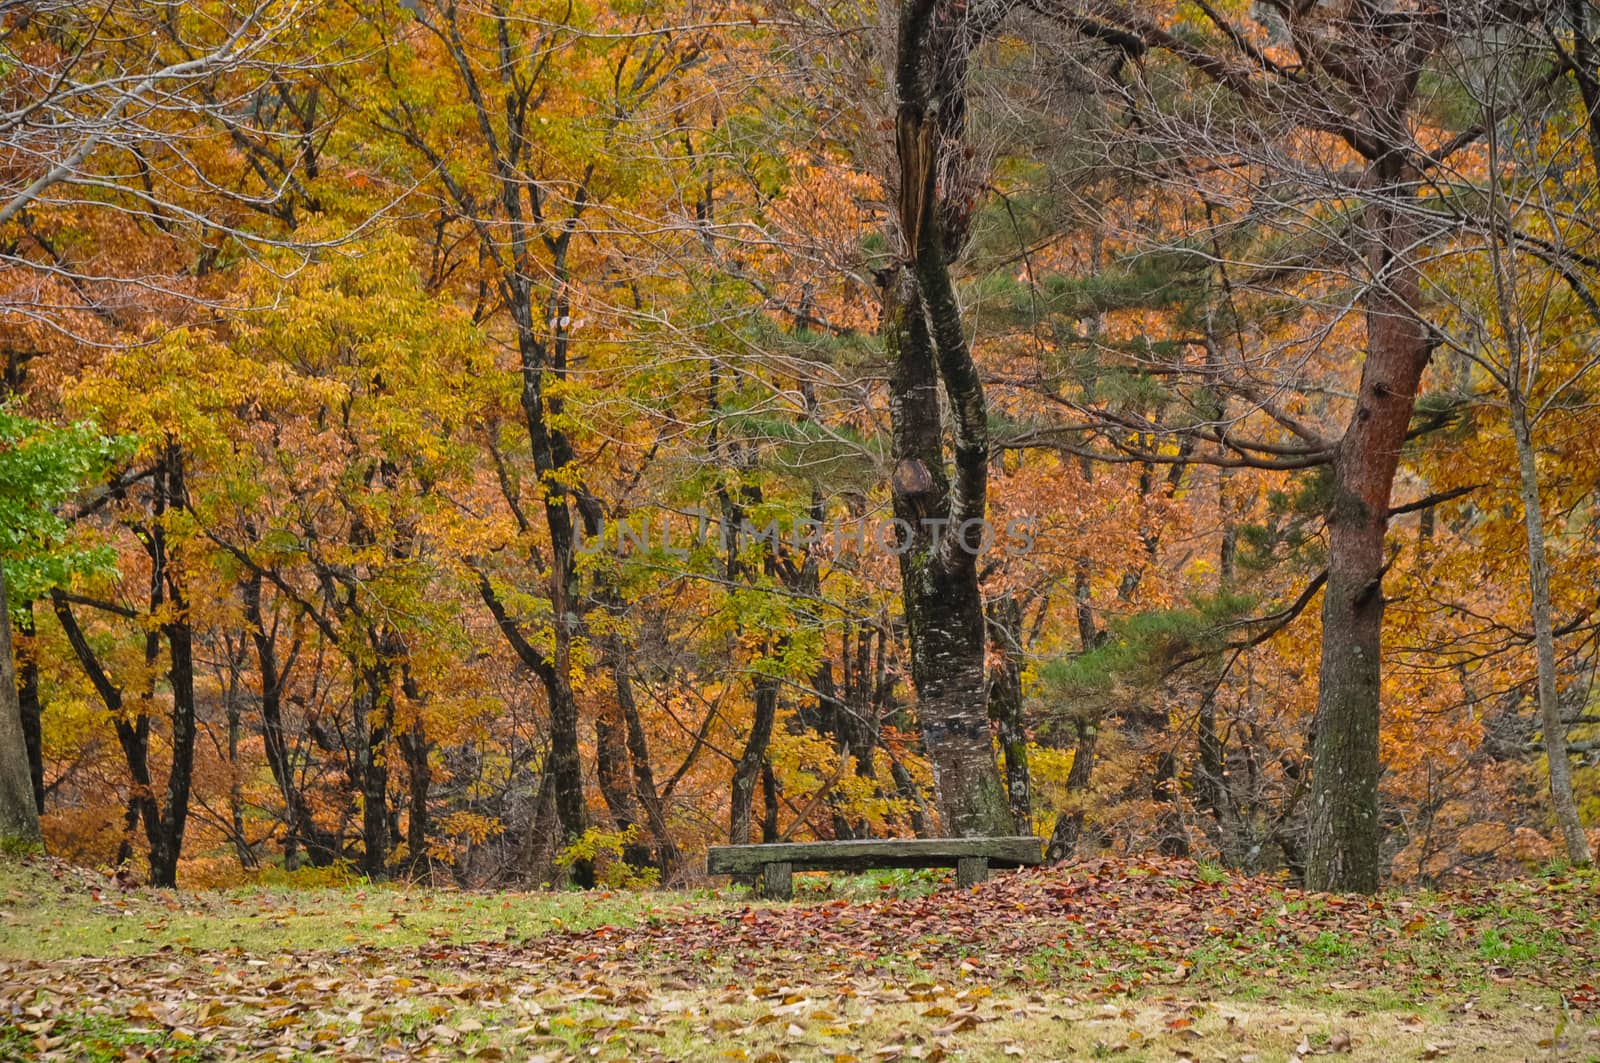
514 442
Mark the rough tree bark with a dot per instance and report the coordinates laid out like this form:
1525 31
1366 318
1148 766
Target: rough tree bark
1344 831
939 514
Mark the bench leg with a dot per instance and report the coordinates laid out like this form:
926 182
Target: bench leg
971 870
777 881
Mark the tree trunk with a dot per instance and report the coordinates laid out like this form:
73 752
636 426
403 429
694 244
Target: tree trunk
940 517
28 702
164 830
19 815
552 458
1069 827
566 764
769 804
1544 639
1584 73
526 252
1005 706
419 779
563 770
907 787
644 782
132 736
616 778
947 640
175 815
374 717
1344 831
179 634
300 826
747 772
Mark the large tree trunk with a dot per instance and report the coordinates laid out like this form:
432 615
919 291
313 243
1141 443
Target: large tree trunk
1544 639
945 617
927 345
1345 833
19 816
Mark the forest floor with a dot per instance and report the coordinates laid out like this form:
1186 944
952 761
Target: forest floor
1127 960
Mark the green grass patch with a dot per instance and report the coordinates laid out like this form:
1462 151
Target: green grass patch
84 914
98 1039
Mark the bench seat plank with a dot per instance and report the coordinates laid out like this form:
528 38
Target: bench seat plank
867 853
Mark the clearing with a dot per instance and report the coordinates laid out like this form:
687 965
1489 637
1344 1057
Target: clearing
1159 960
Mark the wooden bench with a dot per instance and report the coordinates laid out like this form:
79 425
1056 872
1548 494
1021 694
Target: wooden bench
971 857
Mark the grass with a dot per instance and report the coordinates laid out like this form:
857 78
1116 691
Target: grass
367 971
45 918
97 1039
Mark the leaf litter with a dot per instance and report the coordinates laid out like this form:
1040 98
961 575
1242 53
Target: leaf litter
1110 958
